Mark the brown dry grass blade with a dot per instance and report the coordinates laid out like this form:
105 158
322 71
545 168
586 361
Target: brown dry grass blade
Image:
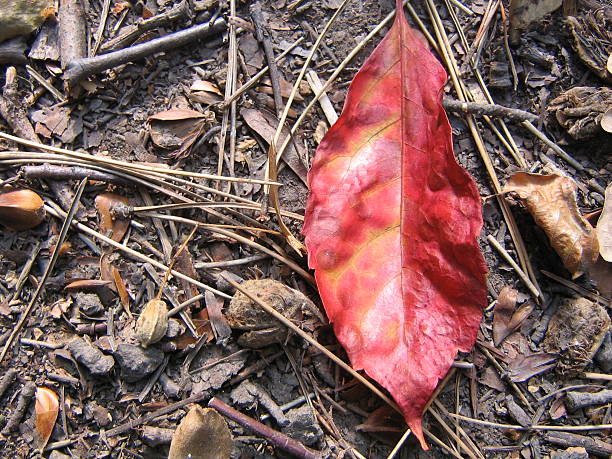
551 200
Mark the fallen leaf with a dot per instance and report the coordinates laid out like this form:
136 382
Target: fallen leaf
506 317
121 289
110 225
391 226
604 227
87 284
178 129
557 409
202 434
264 124
21 209
46 409
551 200
205 92
491 379
524 367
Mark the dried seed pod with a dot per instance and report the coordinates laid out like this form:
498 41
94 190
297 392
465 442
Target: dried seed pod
21 209
152 324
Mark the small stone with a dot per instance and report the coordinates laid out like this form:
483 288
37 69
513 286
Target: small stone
303 426
136 362
175 328
90 357
170 388
57 455
89 303
604 355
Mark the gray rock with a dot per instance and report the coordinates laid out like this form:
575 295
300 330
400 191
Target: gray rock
136 362
91 357
303 426
89 303
57 455
604 355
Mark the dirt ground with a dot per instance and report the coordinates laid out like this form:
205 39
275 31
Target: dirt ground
82 338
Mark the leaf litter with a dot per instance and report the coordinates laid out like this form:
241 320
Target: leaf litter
181 367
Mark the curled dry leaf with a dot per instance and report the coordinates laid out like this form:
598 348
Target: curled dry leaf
152 323
604 227
551 200
178 129
506 317
202 434
21 209
47 409
205 92
391 226
110 224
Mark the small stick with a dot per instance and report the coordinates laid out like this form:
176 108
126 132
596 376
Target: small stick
60 240
195 398
315 36
8 379
72 33
101 27
26 395
577 400
54 172
12 109
79 69
498 425
532 288
495 110
577 288
592 445
25 272
46 84
278 439
326 105
255 78
556 148
132 32
263 37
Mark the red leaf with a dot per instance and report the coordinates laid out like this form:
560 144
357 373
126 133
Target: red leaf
391 226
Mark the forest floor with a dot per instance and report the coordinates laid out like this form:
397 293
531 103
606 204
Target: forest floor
543 355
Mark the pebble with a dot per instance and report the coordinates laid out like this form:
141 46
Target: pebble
604 355
136 362
89 303
90 357
303 426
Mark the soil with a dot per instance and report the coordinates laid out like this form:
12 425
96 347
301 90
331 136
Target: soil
79 339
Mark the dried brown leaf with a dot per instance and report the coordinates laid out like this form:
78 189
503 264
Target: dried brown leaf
47 409
177 114
87 284
604 227
551 200
115 228
264 124
525 367
202 434
120 285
